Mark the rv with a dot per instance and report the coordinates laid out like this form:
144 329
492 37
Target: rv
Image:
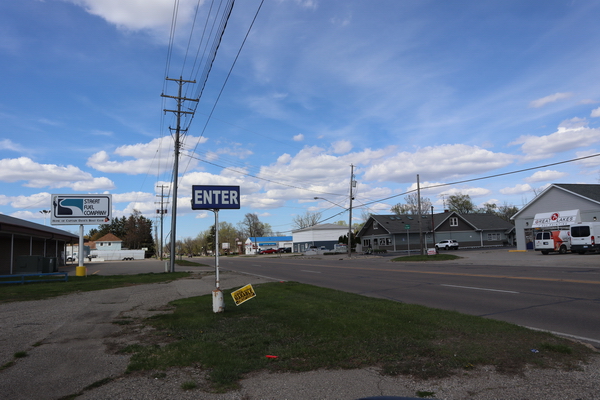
553 241
585 236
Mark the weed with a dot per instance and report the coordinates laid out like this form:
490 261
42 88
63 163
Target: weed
189 385
20 354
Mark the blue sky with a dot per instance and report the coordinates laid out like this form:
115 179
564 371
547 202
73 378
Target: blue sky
450 91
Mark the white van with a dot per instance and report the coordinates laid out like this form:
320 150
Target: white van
548 241
585 236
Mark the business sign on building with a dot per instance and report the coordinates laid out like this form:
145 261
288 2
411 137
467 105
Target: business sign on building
92 209
215 197
556 218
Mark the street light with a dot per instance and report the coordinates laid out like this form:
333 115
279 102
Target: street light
349 223
45 212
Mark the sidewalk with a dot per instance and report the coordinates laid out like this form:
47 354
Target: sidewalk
70 340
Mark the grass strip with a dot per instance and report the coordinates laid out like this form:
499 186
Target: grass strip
40 291
310 328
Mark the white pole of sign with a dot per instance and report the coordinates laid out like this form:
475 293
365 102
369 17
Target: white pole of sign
81 269
218 301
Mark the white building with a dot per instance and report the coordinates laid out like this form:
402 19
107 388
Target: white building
555 198
322 235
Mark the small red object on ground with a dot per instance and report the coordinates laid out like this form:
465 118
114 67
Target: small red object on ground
272 356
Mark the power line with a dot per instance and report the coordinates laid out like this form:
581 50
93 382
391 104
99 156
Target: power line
483 178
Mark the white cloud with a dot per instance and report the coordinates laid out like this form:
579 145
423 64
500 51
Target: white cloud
517 189
437 162
299 137
138 14
549 99
472 192
48 175
7 144
546 176
153 157
93 185
38 200
341 147
571 134
595 113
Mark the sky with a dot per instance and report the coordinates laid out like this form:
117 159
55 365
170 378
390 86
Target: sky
462 95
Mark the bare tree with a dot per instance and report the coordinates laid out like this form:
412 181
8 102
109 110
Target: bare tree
412 205
306 220
252 227
506 211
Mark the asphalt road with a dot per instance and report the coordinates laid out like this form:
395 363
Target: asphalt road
557 293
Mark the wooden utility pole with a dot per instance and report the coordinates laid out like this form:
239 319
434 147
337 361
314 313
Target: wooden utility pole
161 211
352 184
178 131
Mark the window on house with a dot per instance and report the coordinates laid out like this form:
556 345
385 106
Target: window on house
454 221
388 241
367 242
493 236
375 225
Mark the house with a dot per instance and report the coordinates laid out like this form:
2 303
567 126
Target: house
255 244
109 248
556 198
321 235
19 238
403 232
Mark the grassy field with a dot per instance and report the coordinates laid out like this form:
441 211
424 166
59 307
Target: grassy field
37 291
303 327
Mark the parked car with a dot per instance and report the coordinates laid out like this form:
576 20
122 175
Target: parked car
284 250
268 251
450 244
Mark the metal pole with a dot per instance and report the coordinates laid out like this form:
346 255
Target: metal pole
432 228
350 209
218 300
420 215
217 283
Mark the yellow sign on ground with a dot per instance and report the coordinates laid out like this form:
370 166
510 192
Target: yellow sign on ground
243 294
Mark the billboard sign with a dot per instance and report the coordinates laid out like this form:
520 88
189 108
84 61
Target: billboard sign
85 209
215 197
556 218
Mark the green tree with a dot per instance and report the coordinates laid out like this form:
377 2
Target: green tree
488 208
461 203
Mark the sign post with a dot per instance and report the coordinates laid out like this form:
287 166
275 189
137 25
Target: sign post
85 209
407 227
215 198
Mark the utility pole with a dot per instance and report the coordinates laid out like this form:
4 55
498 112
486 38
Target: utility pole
352 185
161 211
420 215
178 131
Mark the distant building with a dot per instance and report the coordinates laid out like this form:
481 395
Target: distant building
321 235
255 244
402 232
555 198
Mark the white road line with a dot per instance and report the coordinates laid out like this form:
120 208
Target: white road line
476 288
